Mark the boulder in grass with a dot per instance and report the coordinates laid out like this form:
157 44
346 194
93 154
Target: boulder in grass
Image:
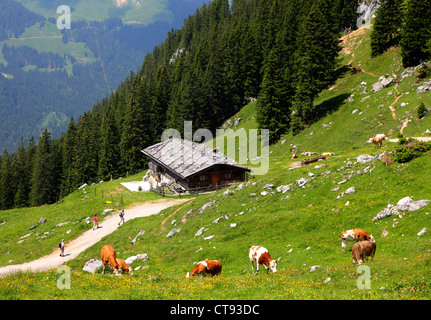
172 232
141 256
422 231
92 265
407 204
382 83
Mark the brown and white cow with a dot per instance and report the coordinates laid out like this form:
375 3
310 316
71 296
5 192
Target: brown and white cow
377 140
123 267
308 153
260 256
354 235
206 267
108 257
294 156
362 250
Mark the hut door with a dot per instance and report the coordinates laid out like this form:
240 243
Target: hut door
215 179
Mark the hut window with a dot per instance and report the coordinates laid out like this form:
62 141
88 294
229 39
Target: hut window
202 177
228 175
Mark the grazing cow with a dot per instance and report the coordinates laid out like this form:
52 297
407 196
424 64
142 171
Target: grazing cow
354 235
378 139
308 153
123 267
326 154
212 267
294 156
260 256
108 257
362 250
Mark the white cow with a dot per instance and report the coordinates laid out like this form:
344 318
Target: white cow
260 256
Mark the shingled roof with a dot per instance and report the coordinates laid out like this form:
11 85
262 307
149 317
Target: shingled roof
187 158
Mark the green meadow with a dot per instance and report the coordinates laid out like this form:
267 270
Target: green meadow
301 226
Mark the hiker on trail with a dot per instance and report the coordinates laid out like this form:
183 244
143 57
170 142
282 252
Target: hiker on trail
61 246
121 217
95 222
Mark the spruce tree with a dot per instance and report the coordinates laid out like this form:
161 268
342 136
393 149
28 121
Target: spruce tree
387 26
85 162
109 159
136 128
21 176
42 181
173 114
347 14
273 107
416 32
316 59
70 176
7 182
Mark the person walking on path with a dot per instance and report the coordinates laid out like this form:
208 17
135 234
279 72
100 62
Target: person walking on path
61 246
121 217
95 222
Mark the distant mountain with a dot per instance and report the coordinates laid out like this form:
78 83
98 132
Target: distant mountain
48 75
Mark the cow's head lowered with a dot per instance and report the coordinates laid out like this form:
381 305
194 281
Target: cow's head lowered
123 267
272 265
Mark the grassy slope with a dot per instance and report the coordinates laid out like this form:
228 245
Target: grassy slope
73 210
308 222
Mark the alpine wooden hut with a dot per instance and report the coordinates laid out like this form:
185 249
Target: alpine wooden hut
191 166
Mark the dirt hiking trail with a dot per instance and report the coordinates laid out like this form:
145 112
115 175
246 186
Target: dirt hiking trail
91 237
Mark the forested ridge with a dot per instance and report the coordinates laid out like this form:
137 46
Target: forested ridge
281 52
48 75
14 18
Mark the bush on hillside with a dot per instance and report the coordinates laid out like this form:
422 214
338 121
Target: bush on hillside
422 110
423 71
410 149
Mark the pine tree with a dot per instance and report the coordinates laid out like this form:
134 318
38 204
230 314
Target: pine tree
21 177
316 60
387 26
161 94
416 32
347 11
109 160
273 107
7 182
216 102
42 182
70 176
173 114
136 128
85 162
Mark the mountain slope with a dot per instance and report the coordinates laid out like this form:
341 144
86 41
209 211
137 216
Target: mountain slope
49 75
301 225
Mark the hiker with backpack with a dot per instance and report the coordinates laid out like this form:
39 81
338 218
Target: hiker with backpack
61 246
121 217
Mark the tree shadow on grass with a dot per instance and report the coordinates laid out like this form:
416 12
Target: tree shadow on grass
329 106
